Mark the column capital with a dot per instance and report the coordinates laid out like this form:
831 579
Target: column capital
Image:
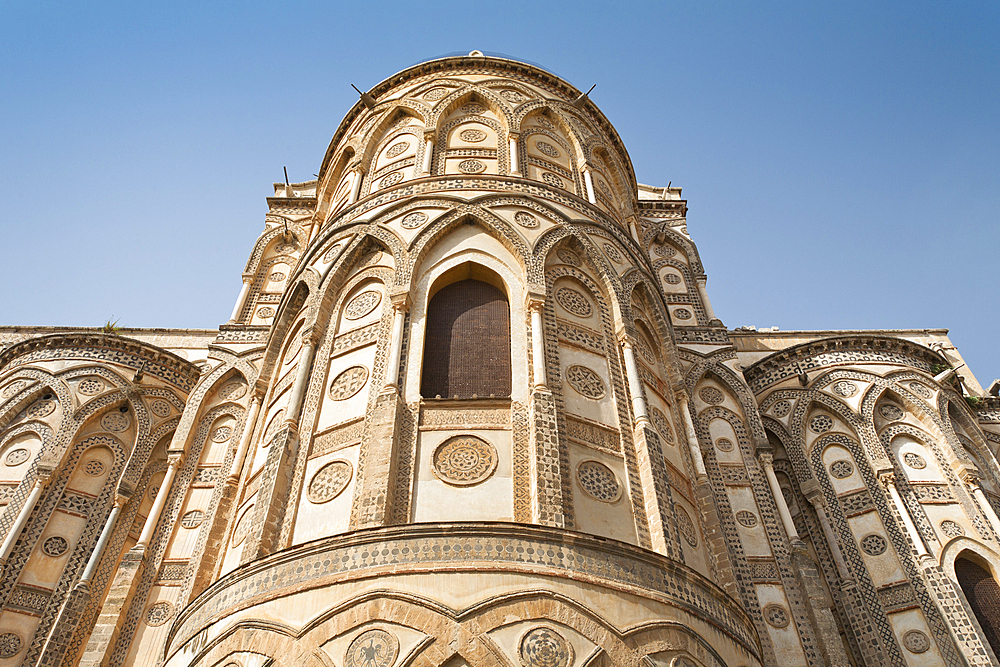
766 459
174 459
430 135
701 279
248 278
401 301
534 301
970 476
887 478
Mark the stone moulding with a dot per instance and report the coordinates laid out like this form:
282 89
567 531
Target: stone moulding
457 547
836 351
103 348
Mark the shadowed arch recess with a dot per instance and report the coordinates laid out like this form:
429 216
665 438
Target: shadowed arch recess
467 346
983 594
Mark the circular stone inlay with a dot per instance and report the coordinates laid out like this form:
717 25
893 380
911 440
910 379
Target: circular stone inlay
472 136
682 314
951 528
94 468
372 648
711 395
599 481
665 251
40 409
464 460
511 96
55 546
546 148
916 641
612 253
115 421
91 387
661 424
222 434
568 257
746 518
471 166
413 220
362 304
574 302
332 253
671 279
265 313
159 613
821 424
920 390
686 526
285 248
915 461
552 179
348 383
435 94
397 149
873 544
232 391
192 519
841 469
780 409
474 109
391 179
525 219
544 647
10 645
277 276
330 481
585 381
845 389
891 412
776 615
17 456
159 407
724 445
242 526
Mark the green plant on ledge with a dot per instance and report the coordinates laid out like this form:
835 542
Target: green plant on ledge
112 328
974 402
939 368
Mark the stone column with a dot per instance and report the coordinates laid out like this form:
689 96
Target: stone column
355 185
425 168
22 518
813 494
244 445
298 391
692 436
779 497
701 281
515 168
589 182
888 480
400 304
972 479
173 463
634 383
535 305
241 300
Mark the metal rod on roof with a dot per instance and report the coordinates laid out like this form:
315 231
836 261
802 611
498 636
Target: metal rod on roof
286 175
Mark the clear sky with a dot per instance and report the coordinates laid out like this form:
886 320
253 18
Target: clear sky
841 160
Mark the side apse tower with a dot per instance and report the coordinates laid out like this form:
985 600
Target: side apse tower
473 408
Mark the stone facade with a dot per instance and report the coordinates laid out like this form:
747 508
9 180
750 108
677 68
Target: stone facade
647 487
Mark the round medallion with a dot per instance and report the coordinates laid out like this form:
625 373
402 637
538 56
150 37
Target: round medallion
372 648
821 424
362 304
40 409
159 613
330 481
686 527
397 149
845 389
159 408
10 645
671 279
471 166
391 179
435 94
115 421
552 179
574 302
94 468
544 647
272 428
951 529
413 220
682 314
544 122
612 253
348 383
585 381
525 219
16 457
153 490
91 387
915 461
645 351
546 149
242 528
265 313
916 641
192 519
662 425
746 518
891 412
599 481
222 434
464 460
920 390
724 445
780 409
294 345
775 615
665 251
285 248
841 469
277 276
603 188
55 546
873 544
332 253
568 257
472 136
511 96
14 387
232 391
711 395
473 109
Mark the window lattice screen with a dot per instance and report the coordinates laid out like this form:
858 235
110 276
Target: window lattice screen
983 594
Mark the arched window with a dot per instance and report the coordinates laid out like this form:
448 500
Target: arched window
983 593
467 346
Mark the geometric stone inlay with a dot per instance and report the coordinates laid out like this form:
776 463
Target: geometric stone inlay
160 408
724 445
891 412
951 529
391 179
916 641
362 304
914 461
372 648
599 481
348 383
661 424
776 615
222 434
552 179
464 460
17 456
10 645
192 519
265 313
41 409
711 395
544 647
547 149
574 302
525 219
242 528
841 469
845 389
873 544
920 390
471 166
55 546
746 518
329 481
585 381
612 253
568 257
159 613
686 527
821 424
472 136
91 386
780 409
413 220
234 390
94 468
671 279
115 421
397 149
682 314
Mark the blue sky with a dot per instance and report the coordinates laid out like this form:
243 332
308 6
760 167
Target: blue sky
840 160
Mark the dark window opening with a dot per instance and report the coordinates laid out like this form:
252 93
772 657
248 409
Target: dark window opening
983 593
